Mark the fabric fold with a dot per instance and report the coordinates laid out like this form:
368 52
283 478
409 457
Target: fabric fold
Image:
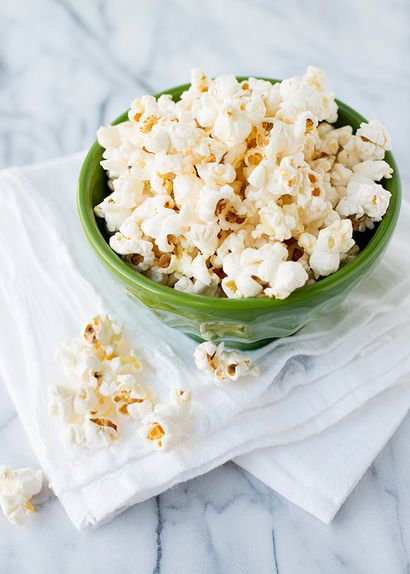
343 377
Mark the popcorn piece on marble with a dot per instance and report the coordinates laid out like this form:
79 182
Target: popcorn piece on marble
17 487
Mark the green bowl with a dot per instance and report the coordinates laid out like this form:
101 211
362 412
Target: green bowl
242 323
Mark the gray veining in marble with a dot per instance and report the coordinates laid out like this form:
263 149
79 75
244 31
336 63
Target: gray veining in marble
68 66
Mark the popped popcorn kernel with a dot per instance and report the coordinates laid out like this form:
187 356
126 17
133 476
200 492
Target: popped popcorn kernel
103 333
180 397
223 365
17 487
205 188
94 432
161 428
332 242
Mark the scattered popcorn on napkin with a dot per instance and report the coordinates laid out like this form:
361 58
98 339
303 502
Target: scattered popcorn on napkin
106 385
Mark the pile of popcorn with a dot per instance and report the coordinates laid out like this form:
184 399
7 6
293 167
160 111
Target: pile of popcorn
17 487
241 189
104 386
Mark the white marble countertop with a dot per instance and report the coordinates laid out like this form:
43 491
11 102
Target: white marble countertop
65 68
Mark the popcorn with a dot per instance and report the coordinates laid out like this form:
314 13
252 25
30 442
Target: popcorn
116 160
205 189
290 275
255 109
160 428
109 137
361 199
376 133
161 225
323 263
70 403
337 238
206 115
278 223
216 174
204 237
199 81
209 198
246 272
165 425
124 389
340 175
331 243
103 334
94 432
17 487
78 359
107 387
307 242
125 245
225 87
200 271
358 149
184 136
308 93
185 188
141 164
180 397
157 140
223 365
231 126
374 170
106 383
315 77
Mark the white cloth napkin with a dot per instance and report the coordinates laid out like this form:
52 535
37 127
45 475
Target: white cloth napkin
51 283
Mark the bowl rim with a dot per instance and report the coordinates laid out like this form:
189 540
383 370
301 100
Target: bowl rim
134 278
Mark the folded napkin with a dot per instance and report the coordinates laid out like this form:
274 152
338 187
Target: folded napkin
51 283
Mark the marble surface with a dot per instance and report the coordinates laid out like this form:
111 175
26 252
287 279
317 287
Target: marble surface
65 68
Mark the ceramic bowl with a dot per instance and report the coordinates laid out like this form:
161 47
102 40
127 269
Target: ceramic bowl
241 323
